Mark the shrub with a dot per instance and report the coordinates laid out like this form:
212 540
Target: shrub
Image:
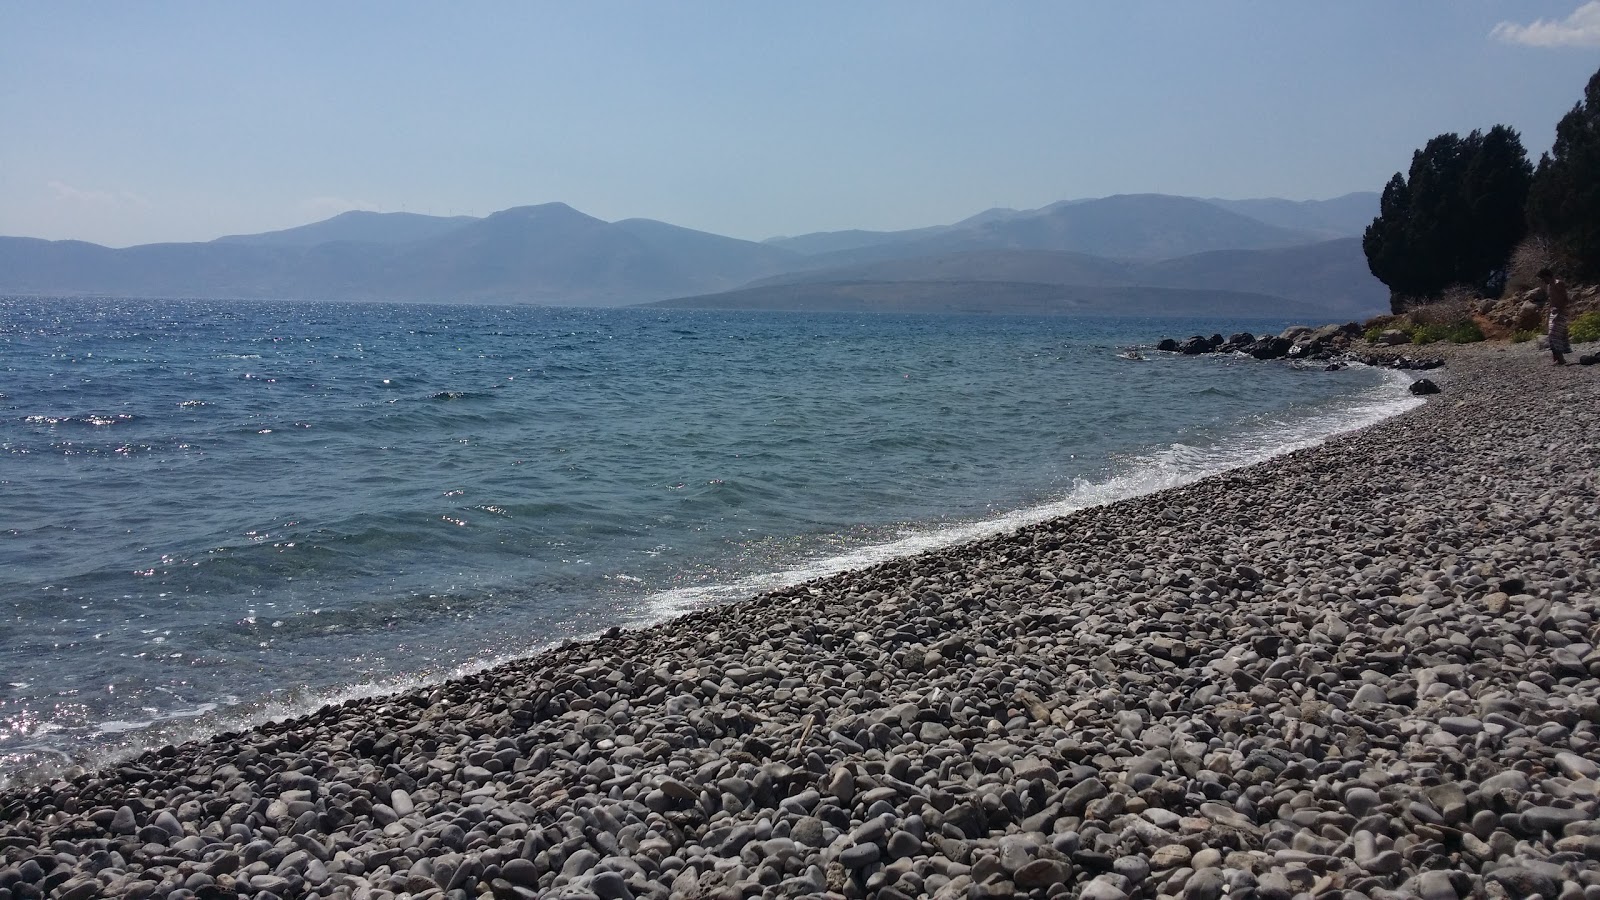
1535 252
1449 319
1524 336
1585 328
1465 331
1448 311
1427 334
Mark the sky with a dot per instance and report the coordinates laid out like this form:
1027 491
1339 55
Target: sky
128 123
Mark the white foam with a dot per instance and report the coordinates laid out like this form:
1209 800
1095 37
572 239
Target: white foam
1173 466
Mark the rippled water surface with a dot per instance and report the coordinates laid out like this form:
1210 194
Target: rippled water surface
214 512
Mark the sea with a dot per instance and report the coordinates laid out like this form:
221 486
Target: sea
217 513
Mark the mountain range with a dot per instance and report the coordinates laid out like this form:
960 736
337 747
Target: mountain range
1128 253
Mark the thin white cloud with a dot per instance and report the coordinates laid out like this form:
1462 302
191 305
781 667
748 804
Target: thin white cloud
88 197
1581 29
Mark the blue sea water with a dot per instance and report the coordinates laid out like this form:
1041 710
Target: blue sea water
214 513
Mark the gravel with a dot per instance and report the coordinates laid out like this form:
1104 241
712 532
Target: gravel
1368 669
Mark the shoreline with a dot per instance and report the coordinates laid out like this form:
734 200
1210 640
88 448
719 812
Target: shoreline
1180 455
1246 681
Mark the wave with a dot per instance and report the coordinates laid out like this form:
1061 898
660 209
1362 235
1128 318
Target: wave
1159 469
93 420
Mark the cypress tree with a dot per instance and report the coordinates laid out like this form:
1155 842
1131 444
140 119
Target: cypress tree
1453 219
1564 200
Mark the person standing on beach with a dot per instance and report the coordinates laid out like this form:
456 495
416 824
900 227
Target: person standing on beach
1555 292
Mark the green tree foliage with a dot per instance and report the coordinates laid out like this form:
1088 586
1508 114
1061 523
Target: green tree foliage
1453 219
1564 200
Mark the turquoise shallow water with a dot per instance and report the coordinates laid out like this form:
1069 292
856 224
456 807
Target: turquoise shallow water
215 513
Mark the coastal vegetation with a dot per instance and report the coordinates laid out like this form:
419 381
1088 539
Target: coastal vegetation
1585 328
1454 220
1564 197
1472 212
1449 320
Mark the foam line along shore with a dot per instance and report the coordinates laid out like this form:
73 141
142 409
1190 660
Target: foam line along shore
220 515
1367 666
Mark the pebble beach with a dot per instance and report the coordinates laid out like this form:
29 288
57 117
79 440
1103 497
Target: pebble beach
1369 669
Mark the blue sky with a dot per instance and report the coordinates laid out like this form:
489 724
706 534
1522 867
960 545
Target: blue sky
132 123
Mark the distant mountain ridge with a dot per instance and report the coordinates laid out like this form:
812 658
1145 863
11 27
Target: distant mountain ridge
1132 226
356 226
551 253
1346 216
1330 274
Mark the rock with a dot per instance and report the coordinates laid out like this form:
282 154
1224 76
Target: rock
1551 819
169 823
1574 766
1098 889
1204 884
678 792
1521 881
1509 780
1451 802
860 855
1384 862
1227 816
1464 726
123 822
1270 348
80 888
1360 801
1134 868
1370 695
1043 873
610 886
842 785
400 801
903 844
1527 316
1436 885
807 830
1170 856
520 872
1423 386
970 820
1080 795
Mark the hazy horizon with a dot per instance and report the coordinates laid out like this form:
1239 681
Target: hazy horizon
335 215
188 121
